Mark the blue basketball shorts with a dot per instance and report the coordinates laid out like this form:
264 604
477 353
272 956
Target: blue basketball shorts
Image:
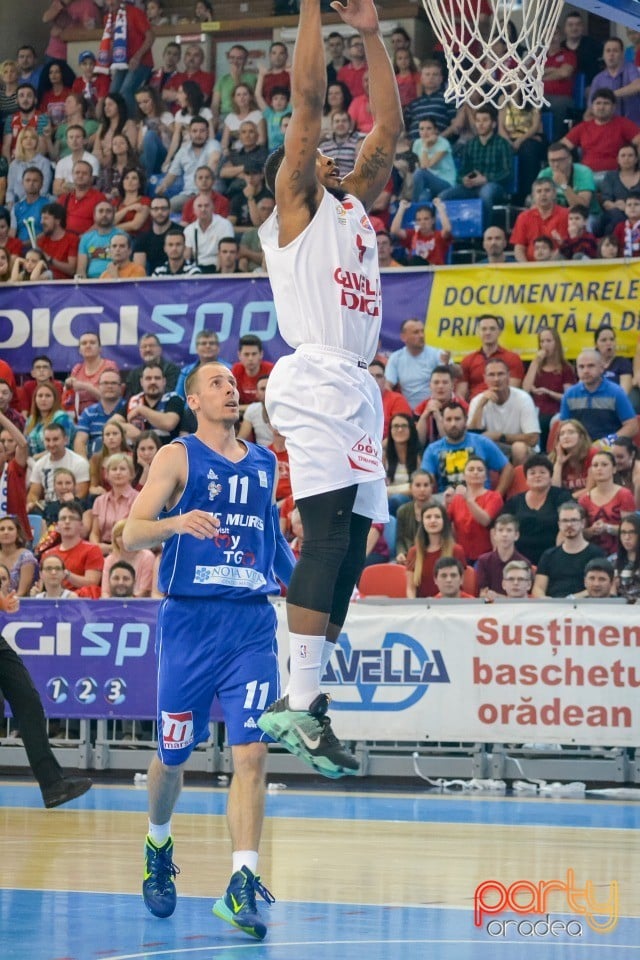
208 648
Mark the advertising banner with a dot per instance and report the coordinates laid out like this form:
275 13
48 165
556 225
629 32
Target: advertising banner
534 671
49 318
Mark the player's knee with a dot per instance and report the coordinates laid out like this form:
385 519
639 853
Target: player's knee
249 760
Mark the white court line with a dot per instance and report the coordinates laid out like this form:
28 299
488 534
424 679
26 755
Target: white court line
347 943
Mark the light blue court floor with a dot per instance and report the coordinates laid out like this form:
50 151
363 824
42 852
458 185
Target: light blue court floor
358 877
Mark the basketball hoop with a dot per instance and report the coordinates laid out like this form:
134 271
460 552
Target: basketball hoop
485 64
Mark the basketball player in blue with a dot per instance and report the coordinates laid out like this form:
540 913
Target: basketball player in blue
209 501
321 255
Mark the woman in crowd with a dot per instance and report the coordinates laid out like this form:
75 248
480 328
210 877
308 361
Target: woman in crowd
123 157
20 562
401 458
627 561
617 369
616 186
45 410
27 155
34 266
571 457
606 503
609 248
5 266
145 447
536 509
625 454
547 378
409 515
154 130
434 539
115 120
472 508
245 107
141 560
407 76
436 169
114 505
9 79
114 440
190 100
77 113
132 213
54 87
338 98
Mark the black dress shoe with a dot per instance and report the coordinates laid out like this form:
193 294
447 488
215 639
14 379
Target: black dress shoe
64 790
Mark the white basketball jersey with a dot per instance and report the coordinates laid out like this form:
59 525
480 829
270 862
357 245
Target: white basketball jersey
326 282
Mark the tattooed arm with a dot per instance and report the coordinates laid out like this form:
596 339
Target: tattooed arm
373 166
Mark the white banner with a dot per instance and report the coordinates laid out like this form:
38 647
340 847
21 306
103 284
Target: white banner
542 671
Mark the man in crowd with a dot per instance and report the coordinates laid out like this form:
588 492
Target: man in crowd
517 580
486 167
601 137
250 151
30 207
491 566
121 266
149 246
204 185
222 100
94 254
155 408
448 573
545 217
250 367
429 411
355 68
587 49
228 254
151 349
598 579
176 263
409 369
207 350
58 243
385 250
25 116
63 181
343 144
431 103
507 415
82 560
122 580
276 75
193 60
204 234
494 244
139 60
80 202
574 182
199 149
337 59
622 77
446 459
473 365
601 406
88 438
166 79
561 569
57 455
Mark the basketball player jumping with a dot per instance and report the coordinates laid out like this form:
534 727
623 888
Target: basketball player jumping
322 260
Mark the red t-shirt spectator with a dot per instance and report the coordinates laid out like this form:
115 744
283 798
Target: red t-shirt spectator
273 80
247 385
530 224
561 88
352 76
475 537
80 211
62 249
474 363
600 142
432 247
84 556
96 90
137 27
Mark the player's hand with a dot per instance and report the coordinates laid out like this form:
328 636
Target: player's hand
359 14
199 524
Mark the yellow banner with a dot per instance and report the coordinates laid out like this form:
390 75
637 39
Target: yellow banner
574 298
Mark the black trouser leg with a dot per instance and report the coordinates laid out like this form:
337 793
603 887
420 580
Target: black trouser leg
26 707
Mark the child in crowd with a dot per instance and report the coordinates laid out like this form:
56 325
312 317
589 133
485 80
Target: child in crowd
423 243
628 233
581 244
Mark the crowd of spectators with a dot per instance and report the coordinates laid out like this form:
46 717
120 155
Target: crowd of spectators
157 170
116 143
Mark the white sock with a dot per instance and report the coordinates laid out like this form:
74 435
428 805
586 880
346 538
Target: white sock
306 667
327 650
245 858
160 832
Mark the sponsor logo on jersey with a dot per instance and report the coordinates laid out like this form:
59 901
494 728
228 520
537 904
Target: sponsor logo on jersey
366 223
225 575
365 454
177 730
245 520
214 489
357 292
250 724
262 476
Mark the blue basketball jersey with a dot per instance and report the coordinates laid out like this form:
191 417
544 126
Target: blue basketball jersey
239 561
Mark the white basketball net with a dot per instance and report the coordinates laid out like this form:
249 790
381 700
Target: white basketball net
484 65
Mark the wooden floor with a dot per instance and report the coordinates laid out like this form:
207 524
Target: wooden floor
356 875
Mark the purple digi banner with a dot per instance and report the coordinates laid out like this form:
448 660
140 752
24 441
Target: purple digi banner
89 658
49 318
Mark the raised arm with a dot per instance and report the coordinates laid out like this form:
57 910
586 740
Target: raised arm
375 160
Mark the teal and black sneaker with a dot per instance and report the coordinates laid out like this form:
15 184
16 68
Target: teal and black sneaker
308 735
238 906
158 888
